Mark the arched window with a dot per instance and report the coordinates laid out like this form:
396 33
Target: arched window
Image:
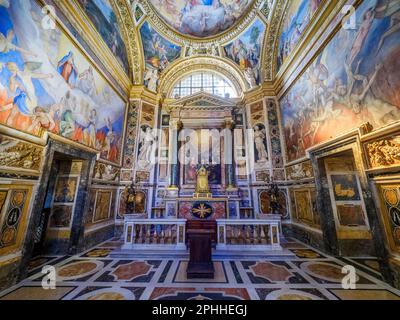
204 81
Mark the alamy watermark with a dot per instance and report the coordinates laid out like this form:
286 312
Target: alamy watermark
349 21
49 281
350 279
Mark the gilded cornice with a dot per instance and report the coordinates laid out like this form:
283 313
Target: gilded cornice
180 68
65 141
163 28
74 13
266 90
272 36
131 37
12 132
200 97
392 128
140 92
310 44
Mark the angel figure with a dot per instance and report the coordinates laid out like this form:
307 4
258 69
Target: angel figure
22 88
151 79
6 44
250 77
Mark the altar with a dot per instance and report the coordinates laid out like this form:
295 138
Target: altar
202 208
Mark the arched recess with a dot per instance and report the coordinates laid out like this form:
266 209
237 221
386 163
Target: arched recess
205 81
181 68
131 38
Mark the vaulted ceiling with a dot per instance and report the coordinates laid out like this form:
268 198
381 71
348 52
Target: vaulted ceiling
249 39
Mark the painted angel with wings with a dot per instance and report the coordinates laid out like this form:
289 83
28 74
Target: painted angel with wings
151 79
6 44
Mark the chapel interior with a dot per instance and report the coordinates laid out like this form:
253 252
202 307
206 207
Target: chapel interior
200 149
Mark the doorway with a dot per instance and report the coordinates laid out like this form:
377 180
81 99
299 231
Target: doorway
345 211
53 232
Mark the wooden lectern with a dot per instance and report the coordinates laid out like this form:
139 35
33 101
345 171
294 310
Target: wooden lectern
200 236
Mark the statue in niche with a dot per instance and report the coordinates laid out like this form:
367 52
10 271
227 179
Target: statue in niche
147 144
202 185
259 141
250 77
151 79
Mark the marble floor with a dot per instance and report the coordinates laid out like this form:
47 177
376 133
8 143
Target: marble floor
306 275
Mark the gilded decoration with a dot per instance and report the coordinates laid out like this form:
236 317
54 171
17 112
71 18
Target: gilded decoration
390 195
106 172
75 14
131 38
384 153
300 171
15 154
186 40
130 136
271 39
13 222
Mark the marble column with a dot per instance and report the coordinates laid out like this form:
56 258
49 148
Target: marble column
175 127
228 154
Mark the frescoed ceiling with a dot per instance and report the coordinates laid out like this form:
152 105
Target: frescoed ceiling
201 18
229 30
149 37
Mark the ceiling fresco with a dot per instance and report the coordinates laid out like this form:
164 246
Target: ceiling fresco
246 51
102 15
201 18
298 17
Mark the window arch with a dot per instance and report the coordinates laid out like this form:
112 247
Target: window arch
204 81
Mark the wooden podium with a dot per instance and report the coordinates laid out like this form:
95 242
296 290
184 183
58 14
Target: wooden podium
200 236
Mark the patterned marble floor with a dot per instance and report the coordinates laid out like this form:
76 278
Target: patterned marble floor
309 274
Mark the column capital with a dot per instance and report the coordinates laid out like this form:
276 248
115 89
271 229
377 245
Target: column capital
176 124
229 124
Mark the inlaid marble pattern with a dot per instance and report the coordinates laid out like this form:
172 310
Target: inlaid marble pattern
306 275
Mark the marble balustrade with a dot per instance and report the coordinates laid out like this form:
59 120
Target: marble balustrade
249 234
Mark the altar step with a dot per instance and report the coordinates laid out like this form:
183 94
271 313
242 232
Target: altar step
183 254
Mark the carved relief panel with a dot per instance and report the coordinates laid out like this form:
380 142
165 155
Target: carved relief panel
384 152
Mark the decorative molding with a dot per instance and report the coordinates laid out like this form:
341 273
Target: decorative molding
18 155
322 28
185 40
106 172
131 37
300 171
384 152
75 14
271 38
203 99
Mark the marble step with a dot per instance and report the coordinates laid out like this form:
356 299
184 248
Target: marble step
217 254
